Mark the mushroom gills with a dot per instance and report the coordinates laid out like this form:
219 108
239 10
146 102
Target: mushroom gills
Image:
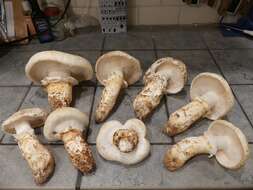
178 155
38 157
59 94
79 151
151 95
113 85
183 118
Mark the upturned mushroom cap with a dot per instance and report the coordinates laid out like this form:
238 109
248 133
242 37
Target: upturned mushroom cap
175 69
213 83
118 61
108 150
234 153
41 63
35 116
62 120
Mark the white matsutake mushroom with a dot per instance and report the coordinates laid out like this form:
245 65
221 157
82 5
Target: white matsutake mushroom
211 97
165 76
126 143
58 72
115 70
21 125
67 124
222 140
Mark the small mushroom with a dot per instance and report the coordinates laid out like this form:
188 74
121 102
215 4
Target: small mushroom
126 143
58 72
166 75
67 124
222 139
115 70
21 125
211 97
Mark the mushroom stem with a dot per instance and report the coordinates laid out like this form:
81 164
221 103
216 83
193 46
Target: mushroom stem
79 151
59 94
176 157
150 96
113 85
38 157
183 118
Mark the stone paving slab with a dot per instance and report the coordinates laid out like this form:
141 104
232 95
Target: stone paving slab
10 99
37 97
85 41
199 173
178 38
236 65
244 93
12 68
124 111
215 40
235 116
196 61
16 174
129 41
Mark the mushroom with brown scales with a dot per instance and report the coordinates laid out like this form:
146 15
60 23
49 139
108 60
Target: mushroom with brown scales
222 140
58 72
115 70
21 125
211 97
165 76
126 143
67 124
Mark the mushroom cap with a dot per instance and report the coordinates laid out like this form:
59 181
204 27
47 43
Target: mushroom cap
118 61
211 82
41 63
235 153
174 68
34 116
62 120
109 151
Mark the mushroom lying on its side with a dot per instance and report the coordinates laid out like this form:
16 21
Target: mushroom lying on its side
126 143
222 139
166 75
21 125
115 70
211 98
58 72
67 124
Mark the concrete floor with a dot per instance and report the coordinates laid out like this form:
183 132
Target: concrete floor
201 48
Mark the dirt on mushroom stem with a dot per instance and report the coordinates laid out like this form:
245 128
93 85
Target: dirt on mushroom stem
79 151
113 85
183 118
125 139
181 152
150 96
59 94
38 157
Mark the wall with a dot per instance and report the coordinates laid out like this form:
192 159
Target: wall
154 12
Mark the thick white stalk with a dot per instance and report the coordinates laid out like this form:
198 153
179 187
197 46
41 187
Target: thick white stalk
38 157
150 96
113 85
178 155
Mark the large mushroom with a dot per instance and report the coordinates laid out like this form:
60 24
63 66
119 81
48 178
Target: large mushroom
166 75
126 143
115 70
67 124
222 139
21 125
211 97
58 72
